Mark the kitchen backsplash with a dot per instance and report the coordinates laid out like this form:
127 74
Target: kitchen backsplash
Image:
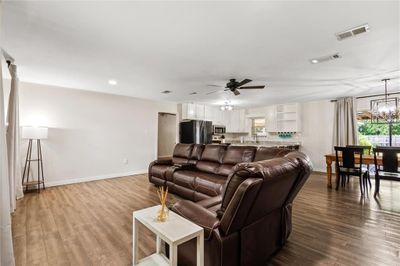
235 137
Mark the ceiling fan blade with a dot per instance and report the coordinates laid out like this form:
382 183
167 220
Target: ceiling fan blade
245 81
211 92
236 92
213 85
251 87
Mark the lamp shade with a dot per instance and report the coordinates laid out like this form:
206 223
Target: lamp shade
34 132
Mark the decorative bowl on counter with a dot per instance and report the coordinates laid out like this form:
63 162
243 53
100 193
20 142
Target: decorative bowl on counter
285 135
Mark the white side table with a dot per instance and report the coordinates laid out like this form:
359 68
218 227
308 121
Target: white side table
174 231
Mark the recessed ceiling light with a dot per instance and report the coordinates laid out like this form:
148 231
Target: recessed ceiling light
166 92
325 58
112 82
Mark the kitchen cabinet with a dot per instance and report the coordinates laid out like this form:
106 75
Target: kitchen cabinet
192 111
270 119
283 118
236 121
209 113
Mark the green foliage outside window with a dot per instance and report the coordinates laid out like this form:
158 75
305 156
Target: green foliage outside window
368 128
364 141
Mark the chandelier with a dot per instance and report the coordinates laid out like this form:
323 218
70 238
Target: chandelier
386 109
226 107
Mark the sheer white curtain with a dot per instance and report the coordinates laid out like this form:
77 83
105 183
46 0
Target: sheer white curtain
13 139
6 246
345 122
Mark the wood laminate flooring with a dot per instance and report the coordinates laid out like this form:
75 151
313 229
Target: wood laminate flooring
91 224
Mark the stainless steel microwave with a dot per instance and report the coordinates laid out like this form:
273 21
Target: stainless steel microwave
218 129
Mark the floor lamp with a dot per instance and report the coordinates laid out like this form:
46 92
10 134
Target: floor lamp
34 133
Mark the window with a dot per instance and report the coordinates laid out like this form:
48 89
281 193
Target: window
258 127
373 134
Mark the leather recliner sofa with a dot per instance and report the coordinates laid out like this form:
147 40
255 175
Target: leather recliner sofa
251 218
198 172
254 218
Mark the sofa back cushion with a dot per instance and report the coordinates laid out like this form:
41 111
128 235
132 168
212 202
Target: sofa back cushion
182 153
196 153
211 158
235 155
267 153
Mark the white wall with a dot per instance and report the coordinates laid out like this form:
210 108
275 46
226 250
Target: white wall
90 134
317 131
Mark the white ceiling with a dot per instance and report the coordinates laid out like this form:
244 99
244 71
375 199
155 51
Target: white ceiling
182 46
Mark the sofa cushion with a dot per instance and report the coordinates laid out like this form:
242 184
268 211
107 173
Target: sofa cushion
206 166
238 154
209 184
182 153
267 153
206 183
235 155
197 151
211 158
213 153
185 178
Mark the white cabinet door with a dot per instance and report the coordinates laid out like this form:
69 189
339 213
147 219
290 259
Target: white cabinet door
270 119
199 111
235 120
209 114
188 111
243 121
226 120
218 119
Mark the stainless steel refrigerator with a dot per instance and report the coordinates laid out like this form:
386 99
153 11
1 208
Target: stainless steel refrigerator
195 131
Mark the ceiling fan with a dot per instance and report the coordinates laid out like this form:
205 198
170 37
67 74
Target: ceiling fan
234 86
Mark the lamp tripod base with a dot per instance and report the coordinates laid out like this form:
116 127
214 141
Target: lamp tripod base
39 182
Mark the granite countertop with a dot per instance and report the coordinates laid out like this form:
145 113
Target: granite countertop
271 143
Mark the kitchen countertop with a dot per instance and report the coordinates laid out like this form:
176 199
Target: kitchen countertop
271 143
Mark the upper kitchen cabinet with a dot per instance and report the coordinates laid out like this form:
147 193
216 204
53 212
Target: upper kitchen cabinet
270 119
236 121
283 118
192 111
195 111
213 114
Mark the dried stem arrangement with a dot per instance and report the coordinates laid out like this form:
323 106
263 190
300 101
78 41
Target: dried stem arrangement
162 195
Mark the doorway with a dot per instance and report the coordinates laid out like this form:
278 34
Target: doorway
167 128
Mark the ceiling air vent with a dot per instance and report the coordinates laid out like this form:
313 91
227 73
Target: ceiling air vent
352 32
324 58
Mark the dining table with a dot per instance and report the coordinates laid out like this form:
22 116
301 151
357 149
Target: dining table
330 158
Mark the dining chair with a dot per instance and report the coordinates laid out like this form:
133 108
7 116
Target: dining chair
346 165
366 151
389 169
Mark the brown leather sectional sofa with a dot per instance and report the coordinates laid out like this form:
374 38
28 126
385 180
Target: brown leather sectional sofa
197 172
241 196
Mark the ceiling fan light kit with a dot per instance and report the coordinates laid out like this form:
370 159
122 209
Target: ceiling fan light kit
234 86
226 107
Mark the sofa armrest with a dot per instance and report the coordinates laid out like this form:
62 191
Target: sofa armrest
184 166
198 215
162 161
210 202
171 170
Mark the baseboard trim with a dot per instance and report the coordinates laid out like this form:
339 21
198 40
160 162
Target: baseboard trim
319 172
91 178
